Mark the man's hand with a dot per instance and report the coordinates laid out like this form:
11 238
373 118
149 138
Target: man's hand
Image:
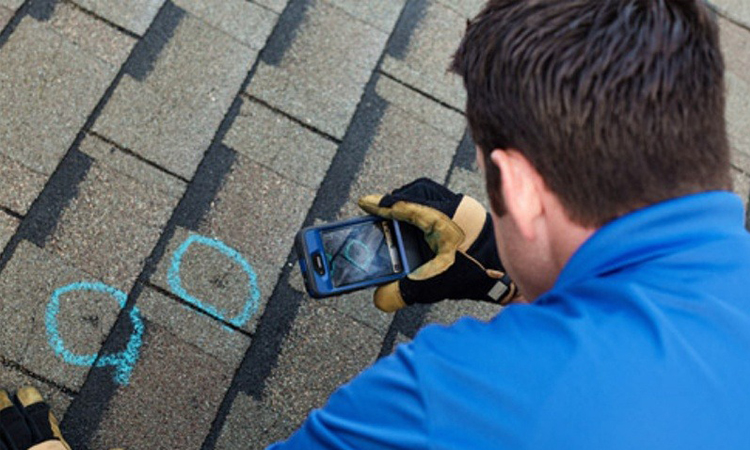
459 231
28 423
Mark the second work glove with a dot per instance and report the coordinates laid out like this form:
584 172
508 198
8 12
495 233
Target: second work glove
28 423
459 232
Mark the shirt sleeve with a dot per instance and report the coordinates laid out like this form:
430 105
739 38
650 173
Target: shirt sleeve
380 408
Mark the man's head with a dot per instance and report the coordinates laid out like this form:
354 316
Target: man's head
613 104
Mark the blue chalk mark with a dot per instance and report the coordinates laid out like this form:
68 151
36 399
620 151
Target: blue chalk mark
331 262
360 260
175 282
124 361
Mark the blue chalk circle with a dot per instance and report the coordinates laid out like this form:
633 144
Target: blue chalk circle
253 293
124 361
362 255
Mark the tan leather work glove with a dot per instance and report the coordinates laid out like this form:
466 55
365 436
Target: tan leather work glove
28 423
459 231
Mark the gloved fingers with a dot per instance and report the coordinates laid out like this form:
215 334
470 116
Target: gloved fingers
423 188
441 233
430 283
371 205
388 297
43 424
426 192
406 291
470 232
13 429
467 213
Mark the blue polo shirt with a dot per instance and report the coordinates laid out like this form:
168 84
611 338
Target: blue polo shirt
643 343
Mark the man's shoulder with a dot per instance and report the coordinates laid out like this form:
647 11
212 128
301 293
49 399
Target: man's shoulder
572 357
518 336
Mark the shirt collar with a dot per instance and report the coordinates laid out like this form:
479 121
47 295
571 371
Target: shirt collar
656 230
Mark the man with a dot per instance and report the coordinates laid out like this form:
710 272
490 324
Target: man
600 129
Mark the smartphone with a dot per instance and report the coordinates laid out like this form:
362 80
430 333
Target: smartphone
354 254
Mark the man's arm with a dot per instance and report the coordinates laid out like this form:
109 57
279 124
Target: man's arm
380 408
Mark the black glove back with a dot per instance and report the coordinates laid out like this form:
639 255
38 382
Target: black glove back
27 421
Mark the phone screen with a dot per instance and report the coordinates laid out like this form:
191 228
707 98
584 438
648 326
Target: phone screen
361 252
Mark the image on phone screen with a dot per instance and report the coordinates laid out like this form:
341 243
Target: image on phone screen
361 252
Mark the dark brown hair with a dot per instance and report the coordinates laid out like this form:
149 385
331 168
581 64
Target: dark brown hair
617 103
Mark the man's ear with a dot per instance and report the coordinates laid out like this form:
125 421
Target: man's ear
520 189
